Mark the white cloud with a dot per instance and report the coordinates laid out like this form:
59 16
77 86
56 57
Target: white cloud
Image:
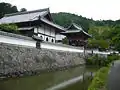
96 9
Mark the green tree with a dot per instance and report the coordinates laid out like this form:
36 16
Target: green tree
7 8
100 37
23 9
65 19
115 35
65 41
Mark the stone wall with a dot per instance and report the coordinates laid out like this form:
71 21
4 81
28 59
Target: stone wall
18 60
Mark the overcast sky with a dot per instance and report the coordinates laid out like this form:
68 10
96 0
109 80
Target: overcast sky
96 9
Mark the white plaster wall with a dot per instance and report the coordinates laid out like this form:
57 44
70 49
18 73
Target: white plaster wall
35 30
17 41
51 39
43 36
54 40
40 30
47 30
39 35
52 32
59 37
48 38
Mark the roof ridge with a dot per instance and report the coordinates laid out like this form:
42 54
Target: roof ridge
53 23
82 29
77 26
26 12
69 26
80 26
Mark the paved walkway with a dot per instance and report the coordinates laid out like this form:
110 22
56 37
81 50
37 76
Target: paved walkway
114 76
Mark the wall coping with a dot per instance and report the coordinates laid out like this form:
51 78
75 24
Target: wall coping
16 35
62 45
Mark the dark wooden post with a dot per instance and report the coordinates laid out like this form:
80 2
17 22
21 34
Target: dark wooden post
38 45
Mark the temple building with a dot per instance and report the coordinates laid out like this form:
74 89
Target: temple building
76 35
38 23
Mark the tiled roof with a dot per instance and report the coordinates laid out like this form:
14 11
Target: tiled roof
75 29
29 16
52 24
74 26
23 16
27 12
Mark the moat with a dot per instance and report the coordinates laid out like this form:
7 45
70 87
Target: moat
60 80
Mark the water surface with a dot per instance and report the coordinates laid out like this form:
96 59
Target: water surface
59 80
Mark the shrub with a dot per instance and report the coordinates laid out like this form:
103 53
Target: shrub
101 61
65 41
96 60
112 58
12 28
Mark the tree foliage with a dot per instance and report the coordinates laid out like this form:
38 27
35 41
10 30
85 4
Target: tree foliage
100 37
23 9
65 19
105 37
115 37
7 8
65 41
100 61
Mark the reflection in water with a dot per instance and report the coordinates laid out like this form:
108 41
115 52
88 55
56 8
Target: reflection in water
79 86
66 83
44 81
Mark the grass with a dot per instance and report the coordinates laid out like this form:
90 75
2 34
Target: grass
100 79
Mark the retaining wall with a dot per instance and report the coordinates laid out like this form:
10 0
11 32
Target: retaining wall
16 60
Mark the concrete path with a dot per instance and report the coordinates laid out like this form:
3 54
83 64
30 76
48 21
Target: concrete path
114 76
